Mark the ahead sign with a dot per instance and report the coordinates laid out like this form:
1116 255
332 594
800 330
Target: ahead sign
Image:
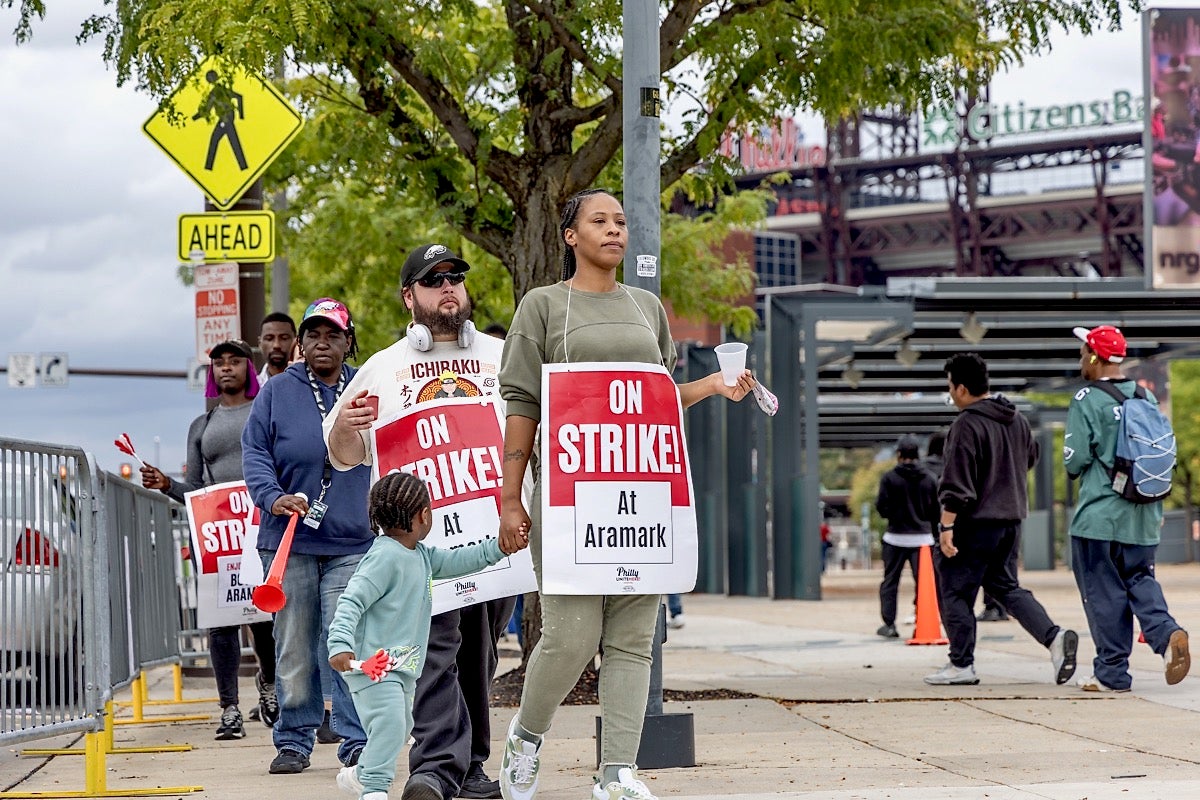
228 236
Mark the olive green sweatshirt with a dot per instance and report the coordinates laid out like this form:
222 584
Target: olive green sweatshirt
559 325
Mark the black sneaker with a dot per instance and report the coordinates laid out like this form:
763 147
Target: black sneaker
888 632
478 785
326 734
288 762
422 787
268 703
231 724
992 615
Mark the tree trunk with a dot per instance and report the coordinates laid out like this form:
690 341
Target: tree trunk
536 247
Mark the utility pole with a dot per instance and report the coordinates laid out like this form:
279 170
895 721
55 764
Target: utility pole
251 283
280 276
668 740
643 143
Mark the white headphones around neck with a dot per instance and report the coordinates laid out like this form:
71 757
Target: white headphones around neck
420 338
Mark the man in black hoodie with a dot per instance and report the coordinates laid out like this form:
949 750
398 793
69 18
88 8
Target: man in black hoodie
988 453
907 499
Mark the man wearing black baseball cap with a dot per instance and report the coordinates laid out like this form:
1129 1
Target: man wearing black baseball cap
421 262
234 382
440 354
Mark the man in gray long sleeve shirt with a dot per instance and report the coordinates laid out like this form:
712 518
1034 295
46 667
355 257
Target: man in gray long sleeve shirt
214 448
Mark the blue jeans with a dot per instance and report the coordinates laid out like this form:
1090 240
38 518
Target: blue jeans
674 604
313 585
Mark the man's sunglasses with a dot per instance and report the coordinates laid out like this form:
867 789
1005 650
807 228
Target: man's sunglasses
434 280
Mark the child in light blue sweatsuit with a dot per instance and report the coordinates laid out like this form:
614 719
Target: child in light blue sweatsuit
386 606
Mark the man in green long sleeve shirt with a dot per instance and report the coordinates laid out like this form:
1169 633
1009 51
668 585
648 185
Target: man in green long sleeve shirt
1113 540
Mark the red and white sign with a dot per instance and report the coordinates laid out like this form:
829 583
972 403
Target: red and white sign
455 447
617 499
218 310
221 516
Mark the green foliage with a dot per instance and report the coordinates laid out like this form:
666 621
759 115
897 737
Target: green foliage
482 117
1050 399
839 466
1185 419
864 488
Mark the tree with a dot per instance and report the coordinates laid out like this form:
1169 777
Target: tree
493 113
1185 419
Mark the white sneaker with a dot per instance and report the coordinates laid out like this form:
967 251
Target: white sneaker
1062 655
375 796
951 675
627 788
347 781
1092 684
519 766
911 619
676 621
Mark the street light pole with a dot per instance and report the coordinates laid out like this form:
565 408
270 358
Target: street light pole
668 740
642 142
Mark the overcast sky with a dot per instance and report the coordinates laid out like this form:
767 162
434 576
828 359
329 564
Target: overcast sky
88 209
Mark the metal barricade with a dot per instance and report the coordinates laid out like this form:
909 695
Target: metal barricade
144 596
88 599
53 571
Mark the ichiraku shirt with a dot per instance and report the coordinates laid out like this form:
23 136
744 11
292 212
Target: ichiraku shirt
402 376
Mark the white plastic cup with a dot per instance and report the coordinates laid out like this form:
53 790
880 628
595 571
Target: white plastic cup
732 358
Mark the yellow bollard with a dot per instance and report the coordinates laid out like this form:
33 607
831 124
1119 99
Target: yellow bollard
107 744
177 698
138 691
95 778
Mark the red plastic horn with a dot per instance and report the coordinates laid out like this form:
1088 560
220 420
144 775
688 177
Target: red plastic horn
268 596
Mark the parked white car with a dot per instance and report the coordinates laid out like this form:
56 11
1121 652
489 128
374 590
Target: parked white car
40 581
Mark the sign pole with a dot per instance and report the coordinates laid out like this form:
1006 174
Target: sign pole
668 740
251 283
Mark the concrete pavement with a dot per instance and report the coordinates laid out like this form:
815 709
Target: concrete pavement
837 713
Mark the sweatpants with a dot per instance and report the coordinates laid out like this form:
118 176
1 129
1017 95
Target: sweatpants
894 559
1116 582
574 628
225 655
987 557
385 709
481 626
442 724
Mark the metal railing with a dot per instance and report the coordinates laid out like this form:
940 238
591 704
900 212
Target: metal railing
53 570
89 598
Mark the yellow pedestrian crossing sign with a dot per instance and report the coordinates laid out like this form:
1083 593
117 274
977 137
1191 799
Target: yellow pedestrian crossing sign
223 127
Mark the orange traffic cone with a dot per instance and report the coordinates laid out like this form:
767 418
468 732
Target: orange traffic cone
929 618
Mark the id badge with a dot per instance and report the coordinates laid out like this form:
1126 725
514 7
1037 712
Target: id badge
316 513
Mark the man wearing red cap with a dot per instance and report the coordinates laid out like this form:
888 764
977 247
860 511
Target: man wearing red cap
1113 540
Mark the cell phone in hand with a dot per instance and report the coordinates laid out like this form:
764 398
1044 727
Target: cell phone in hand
371 401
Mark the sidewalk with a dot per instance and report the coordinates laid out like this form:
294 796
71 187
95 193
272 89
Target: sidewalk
838 713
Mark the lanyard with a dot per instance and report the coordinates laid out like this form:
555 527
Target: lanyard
316 389
327 472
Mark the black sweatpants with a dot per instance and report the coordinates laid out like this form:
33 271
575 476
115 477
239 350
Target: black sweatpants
987 558
894 559
225 655
451 716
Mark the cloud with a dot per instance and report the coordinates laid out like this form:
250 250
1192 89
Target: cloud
88 210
